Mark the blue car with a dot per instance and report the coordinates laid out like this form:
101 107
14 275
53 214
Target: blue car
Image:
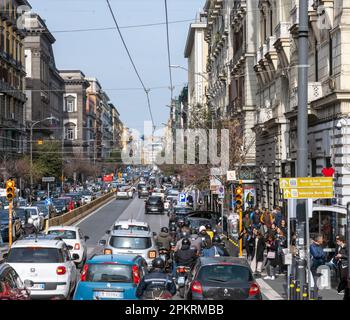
110 277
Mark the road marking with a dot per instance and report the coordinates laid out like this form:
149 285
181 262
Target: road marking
92 213
268 291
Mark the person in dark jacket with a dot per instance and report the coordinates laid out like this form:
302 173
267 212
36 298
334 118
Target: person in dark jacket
203 234
156 279
271 261
186 256
343 267
257 252
219 244
163 240
210 250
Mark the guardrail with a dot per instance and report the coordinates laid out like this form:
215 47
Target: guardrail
79 213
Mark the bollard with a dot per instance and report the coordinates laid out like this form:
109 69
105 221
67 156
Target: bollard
297 291
312 294
291 288
305 292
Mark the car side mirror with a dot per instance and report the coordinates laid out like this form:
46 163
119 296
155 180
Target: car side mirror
86 238
75 256
70 247
102 242
28 284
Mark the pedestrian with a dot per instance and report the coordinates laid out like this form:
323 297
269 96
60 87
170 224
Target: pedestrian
271 261
283 227
281 242
257 252
343 267
266 220
246 221
255 218
211 250
277 215
318 257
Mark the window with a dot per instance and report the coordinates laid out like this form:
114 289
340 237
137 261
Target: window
70 104
69 133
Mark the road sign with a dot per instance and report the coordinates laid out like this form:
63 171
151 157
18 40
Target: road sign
308 193
48 201
182 198
48 179
231 175
221 194
310 182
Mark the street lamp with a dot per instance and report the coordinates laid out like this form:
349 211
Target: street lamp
196 73
31 146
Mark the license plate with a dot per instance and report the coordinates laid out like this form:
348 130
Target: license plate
108 295
154 209
181 280
38 286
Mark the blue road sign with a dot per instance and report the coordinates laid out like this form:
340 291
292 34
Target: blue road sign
182 198
48 202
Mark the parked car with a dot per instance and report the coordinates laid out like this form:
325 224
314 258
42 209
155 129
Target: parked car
46 261
154 205
4 225
73 237
112 277
131 242
11 285
222 278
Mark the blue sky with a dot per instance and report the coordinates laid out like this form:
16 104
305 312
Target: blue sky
100 53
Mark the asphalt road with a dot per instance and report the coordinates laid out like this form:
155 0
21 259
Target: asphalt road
96 224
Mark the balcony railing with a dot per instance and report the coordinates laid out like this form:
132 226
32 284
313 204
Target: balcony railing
282 30
314 93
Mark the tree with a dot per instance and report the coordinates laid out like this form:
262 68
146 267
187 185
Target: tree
48 159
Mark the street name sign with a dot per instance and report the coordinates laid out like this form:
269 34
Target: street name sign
308 182
308 193
231 175
48 179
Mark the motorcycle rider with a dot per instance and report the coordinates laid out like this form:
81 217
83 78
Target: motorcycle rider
203 234
29 227
220 245
156 279
186 256
209 230
163 240
173 232
210 250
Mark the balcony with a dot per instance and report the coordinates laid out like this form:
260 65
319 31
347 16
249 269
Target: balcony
282 30
314 93
15 93
295 16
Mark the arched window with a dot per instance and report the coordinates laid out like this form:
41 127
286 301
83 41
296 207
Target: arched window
69 102
70 129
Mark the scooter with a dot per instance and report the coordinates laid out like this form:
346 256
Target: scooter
182 275
157 294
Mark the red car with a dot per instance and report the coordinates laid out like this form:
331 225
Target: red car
11 286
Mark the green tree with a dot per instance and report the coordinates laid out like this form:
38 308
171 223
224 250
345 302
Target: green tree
48 159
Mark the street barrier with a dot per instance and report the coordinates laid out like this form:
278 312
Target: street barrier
79 213
297 291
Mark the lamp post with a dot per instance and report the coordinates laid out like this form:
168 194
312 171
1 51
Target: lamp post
31 147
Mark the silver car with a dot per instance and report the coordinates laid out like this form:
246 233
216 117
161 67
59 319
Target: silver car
131 242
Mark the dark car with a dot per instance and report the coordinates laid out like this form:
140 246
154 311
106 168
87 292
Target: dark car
196 223
143 192
179 213
48 210
222 278
62 205
4 225
214 217
154 205
11 286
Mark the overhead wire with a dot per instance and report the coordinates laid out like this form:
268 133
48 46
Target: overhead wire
168 49
132 62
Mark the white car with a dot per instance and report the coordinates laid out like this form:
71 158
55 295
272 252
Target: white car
46 262
131 225
36 215
125 192
73 237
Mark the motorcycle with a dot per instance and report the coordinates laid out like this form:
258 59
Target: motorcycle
182 275
164 254
157 294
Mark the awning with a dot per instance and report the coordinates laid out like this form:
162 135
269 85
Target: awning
337 209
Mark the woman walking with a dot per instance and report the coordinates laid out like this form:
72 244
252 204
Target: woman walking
271 258
257 252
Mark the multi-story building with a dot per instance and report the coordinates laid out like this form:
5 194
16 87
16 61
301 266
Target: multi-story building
117 127
196 52
75 114
107 127
328 103
12 73
43 83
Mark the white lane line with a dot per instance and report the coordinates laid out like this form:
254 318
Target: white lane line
268 291
140 212
92 213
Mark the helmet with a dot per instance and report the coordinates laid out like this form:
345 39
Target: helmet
216 239
186 242
208 226
30 221
172 228
187 223
158 263
165 230
180 223
184 234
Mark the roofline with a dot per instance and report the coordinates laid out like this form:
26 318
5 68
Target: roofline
190 37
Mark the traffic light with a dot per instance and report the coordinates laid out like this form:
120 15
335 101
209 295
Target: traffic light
10 190
239 196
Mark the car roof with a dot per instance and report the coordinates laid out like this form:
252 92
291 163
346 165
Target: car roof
131 233
123 259
218 260
131 222
71 228
40 241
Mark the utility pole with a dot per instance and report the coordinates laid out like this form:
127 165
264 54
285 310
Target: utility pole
302 265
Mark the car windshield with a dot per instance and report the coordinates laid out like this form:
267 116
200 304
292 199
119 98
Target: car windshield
196 223
109 273
224 273
59 202
154 200
21 213
64 234
182 211
130 242
34 255
131 228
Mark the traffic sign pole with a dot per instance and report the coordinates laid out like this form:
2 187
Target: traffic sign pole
10 223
